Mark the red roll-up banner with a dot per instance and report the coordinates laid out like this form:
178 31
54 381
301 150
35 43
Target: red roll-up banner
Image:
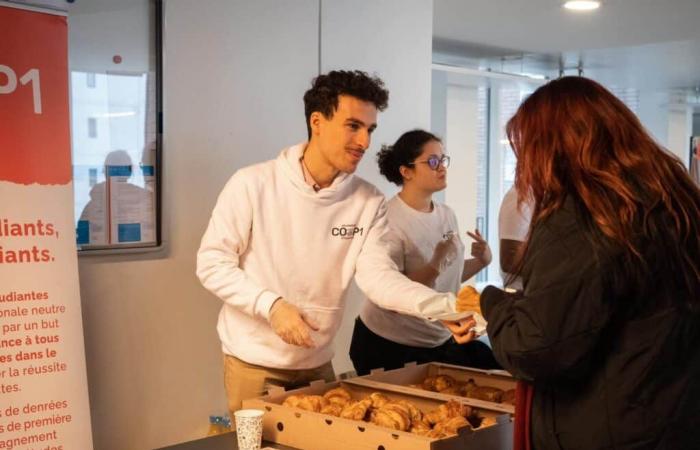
43 384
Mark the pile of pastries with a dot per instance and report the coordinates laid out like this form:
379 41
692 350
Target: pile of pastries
400 415
446 384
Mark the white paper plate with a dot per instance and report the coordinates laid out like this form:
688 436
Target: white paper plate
480 327
452 316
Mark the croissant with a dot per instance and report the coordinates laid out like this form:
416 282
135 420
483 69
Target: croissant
357 410
429 384
443 382
333 409
436 415
487 393
414 413
339 396
437 434
399 406
455 408
450 426
420 426
468 387
468 299
446 411
312 403
391 416
487 422
378 399
292 401
508 397
454 390
338 392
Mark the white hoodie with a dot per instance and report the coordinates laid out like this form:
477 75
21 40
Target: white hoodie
271 235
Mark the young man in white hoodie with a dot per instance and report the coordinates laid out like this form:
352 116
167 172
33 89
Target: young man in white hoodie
286 238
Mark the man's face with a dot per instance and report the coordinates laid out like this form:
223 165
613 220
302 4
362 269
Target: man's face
344 138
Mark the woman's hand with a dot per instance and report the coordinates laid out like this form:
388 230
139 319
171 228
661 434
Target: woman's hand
480 248
443 254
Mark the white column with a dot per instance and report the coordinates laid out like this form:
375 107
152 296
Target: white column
392 39
680 129
461 142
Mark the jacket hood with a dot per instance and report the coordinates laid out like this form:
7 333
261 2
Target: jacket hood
289 163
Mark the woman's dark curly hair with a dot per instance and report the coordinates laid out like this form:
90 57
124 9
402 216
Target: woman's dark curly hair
406 149
325 89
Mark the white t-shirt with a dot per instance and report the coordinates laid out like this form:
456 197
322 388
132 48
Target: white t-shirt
413 236
513 224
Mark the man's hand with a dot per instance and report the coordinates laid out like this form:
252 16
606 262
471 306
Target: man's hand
480 248
291 325
462 330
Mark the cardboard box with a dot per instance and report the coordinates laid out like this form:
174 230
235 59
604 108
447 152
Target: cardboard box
397 380
314 431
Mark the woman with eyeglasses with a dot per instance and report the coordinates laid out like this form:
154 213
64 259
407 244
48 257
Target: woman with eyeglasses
425 243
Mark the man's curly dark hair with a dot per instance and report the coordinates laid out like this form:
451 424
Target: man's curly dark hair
325 89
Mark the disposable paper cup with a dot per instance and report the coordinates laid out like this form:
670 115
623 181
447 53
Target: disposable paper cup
249 428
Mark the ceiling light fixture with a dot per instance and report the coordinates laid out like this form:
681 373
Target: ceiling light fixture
582 5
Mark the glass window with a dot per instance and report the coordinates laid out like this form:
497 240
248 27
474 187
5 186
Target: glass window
92 127
115 98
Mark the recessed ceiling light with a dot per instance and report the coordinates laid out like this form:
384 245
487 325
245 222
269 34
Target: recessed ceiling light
582 5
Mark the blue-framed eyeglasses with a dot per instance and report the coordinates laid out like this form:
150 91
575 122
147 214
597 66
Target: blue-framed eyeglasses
435 161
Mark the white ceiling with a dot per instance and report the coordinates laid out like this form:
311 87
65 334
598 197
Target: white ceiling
648 44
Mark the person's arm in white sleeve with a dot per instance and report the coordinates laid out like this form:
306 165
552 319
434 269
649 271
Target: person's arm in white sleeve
378 276
225 239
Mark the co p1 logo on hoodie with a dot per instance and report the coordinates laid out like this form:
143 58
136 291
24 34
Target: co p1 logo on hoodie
347 231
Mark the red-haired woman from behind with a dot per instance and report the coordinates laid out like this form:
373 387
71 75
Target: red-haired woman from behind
607 328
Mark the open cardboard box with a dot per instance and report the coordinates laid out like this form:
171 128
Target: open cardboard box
397 380
314 431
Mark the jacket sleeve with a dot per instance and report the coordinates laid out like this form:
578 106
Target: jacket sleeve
223 243
378 276
552 329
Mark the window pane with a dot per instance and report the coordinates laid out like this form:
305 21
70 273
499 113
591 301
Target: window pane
114 116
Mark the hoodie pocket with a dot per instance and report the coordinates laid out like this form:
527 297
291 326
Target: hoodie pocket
326 319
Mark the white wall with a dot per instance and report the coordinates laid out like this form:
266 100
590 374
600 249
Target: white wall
392 38
235 73
653 113
669 118
234 76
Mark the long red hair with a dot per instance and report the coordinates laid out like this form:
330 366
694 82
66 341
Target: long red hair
572 137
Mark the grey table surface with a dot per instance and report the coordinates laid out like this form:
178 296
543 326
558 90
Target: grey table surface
226 441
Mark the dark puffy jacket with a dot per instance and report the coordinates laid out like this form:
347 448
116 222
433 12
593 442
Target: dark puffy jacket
609 371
